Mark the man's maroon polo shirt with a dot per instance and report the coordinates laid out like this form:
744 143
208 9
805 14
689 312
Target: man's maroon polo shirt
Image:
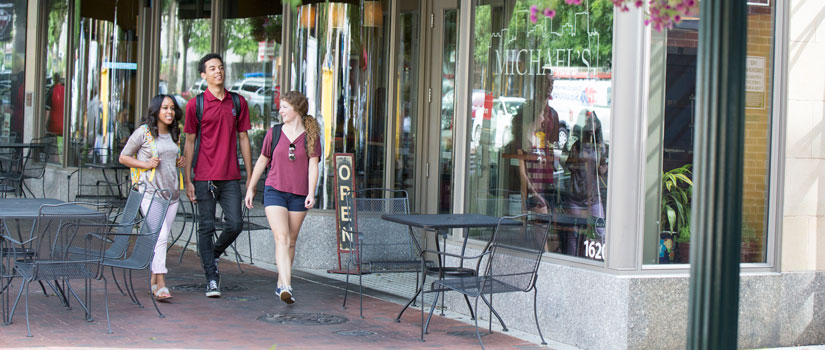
217 159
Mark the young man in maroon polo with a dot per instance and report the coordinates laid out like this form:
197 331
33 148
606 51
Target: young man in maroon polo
217 173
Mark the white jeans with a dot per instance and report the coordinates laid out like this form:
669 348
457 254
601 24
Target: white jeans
159 261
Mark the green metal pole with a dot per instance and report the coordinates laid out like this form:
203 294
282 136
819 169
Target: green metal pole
718 157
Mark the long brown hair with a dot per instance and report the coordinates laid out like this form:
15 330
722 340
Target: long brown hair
300 104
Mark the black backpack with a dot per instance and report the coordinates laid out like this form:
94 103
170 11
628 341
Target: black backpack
236 111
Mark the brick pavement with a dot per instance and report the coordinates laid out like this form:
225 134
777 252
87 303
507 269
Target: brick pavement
193 321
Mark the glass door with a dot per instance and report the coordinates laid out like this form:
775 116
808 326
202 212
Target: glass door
440 117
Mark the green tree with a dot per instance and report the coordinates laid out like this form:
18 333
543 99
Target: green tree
239 37
578 28
58 12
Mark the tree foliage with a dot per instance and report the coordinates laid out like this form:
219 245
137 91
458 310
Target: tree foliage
574 30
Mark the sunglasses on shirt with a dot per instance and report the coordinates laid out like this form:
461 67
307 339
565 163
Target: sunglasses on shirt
291 151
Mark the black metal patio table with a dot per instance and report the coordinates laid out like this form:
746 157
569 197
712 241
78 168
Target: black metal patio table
21 145
17 209
440 224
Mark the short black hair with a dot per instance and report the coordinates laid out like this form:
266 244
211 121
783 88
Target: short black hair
204 59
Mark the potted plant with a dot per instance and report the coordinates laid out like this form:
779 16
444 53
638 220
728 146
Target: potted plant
751 251
677 189
683 244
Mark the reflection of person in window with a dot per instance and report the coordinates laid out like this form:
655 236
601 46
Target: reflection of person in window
17 96
54 104
537 165
587 163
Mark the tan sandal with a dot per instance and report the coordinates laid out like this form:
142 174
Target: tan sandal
163 294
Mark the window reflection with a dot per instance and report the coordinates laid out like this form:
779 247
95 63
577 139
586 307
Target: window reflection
55 63
104 81
541 102
674 231
338 64
12 69
252 41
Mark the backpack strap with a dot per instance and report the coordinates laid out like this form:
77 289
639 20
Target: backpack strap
199 115
236 107
236 112
276 136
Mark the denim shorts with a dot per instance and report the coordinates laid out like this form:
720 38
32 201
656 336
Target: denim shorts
290 201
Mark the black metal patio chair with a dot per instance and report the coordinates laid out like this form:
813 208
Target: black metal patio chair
35 163
380 246
90 185
143 249
119 230
55 232
510 265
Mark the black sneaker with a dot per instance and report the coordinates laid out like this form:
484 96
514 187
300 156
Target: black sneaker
285 293
213 289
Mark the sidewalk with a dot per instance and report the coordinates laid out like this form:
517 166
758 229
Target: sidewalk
248 316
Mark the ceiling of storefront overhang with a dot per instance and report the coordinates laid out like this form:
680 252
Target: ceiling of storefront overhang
127 11
252 8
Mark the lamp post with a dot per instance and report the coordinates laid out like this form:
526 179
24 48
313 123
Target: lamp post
713 309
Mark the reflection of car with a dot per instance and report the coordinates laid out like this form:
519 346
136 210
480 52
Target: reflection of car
499 116
256 91
198 87
259 98
235 87
504 109
447 107
163 89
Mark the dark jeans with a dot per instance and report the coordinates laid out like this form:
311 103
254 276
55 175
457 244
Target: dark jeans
228 194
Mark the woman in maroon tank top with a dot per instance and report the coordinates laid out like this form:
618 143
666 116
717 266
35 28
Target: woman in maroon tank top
290 184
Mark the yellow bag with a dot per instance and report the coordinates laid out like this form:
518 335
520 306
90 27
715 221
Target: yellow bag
136 172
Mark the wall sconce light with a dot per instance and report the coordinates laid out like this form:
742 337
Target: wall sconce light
338 15
306 16
373 14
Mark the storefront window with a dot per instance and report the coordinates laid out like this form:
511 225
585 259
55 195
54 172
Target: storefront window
540 118
677 141
184 38
55 63
104 84
339 63
12 69
252 41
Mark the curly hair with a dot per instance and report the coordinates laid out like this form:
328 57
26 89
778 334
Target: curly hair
151 118
299 102
205 58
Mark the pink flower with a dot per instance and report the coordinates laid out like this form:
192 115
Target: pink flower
533 9
533 18
549 13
